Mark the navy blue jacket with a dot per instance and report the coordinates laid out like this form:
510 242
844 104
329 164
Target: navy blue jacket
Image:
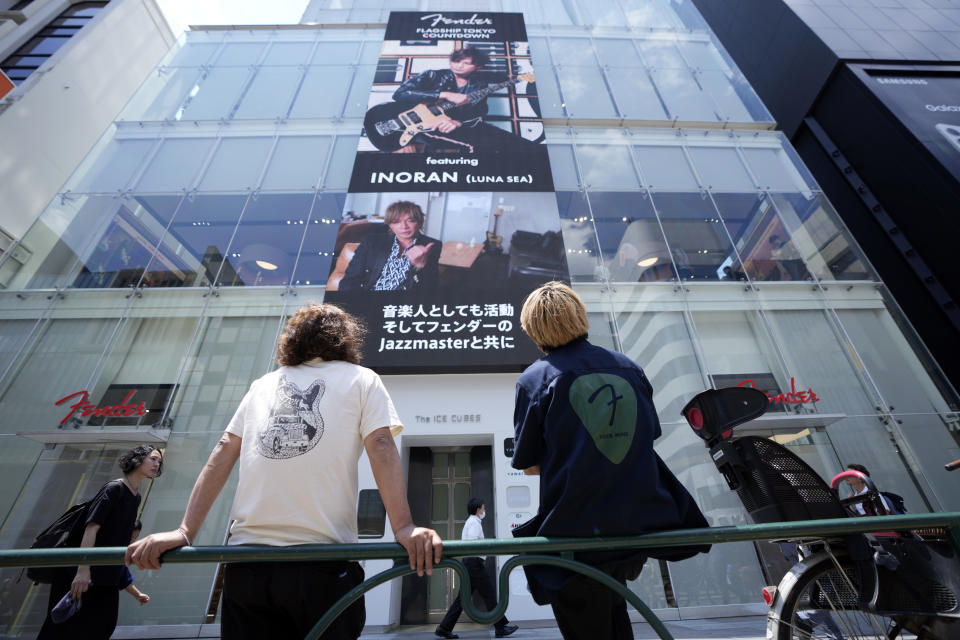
585 415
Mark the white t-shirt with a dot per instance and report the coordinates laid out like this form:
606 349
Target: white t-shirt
472 529
303 429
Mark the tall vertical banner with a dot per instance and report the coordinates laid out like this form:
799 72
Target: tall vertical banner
451 218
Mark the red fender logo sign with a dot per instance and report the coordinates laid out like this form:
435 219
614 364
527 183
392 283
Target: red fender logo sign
83 406
793 397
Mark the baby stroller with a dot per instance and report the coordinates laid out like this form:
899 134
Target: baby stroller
852 586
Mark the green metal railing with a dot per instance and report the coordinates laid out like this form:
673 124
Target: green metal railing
525 551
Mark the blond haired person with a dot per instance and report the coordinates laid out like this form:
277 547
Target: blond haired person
585 422
395 256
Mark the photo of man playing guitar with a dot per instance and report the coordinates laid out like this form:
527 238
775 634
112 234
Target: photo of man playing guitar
463 98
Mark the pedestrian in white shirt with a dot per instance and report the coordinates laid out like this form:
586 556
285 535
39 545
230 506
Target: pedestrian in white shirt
479 580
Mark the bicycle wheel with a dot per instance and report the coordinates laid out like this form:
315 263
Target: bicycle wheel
819 599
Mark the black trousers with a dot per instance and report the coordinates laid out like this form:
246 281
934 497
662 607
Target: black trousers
479 581
587 610
286 599
96 619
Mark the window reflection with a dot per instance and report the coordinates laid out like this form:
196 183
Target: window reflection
313 264
762 240
820 239
195 247
267 241
631 241
698 242
576 222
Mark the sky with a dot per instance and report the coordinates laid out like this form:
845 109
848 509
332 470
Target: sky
182 13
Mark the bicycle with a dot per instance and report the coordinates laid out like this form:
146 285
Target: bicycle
854 586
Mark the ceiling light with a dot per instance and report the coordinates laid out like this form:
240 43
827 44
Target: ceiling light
647 262
269 266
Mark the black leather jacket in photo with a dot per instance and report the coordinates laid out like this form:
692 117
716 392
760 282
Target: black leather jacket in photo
426 87
367 263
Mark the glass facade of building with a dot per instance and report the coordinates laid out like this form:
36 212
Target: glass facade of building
703 247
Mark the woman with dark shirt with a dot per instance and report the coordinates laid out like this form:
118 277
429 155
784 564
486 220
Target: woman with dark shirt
110 522
397 258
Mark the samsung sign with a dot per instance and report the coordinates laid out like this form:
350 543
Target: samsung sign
926 103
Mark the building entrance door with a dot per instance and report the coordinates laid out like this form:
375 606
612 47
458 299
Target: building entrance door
440 483
63 475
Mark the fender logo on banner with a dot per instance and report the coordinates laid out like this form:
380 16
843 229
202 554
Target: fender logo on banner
86 409
451 217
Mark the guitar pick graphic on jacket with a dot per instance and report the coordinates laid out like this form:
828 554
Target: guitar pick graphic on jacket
607 406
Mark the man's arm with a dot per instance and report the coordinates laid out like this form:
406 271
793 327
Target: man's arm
146 552
532 471
81 582
423 545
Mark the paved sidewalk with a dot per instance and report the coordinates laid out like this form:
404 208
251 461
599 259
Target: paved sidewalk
742 628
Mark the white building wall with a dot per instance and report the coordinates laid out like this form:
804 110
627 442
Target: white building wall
50 122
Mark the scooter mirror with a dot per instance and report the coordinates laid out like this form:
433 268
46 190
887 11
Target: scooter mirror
712 414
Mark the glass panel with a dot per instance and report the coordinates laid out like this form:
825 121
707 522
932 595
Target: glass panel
328 52
579 237
180 591
631 242
313 264
683 97
664 167
232 352
236 164
214 95
194 54
720 168
297 163
573 52
62 476
114 166
702 55
322 93
607 166
195 247
371 514
441 499
563 166
461 496
726 93
81 342
736 347
760 237
653 334
585 93
239 54
698 241
359 96
42 46
266 244
441 465
649 585
548 93
727 575
773 169
176 165
341 163
820 238
164 92
461 465
618 52
288 53
270 93
635 94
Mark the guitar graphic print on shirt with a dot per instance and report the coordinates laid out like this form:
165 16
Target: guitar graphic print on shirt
295 424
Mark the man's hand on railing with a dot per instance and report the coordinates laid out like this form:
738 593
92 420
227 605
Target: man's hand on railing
146 552
423 545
